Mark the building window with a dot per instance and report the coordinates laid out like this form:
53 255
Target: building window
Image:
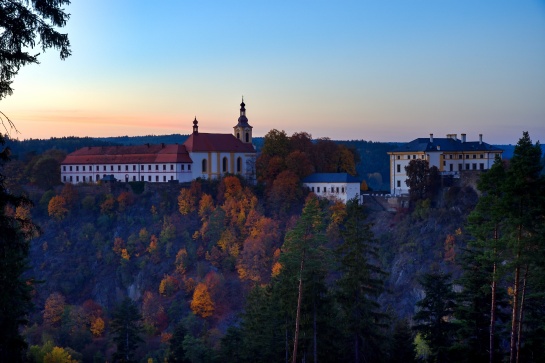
451 166
183 167
450 156
481 156
172 177
156 167
84 178
77 168
474 166
332 190
77 178
337 190
224 165
70 178
342 190
149 178
64 168
313 189
97 177
149 167
444 163
239 165
399 183
398 157
164 178
459 156
157 178
111 168
204 166
318 189
189 167
467 166
141 167
474 156
171 167
104 167
459 167
467 156
70 167
398 168
481 166
134 178
119 168
64 178
83 168
414 156
142 178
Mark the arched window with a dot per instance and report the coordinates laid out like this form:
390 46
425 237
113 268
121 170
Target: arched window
224 165
239 165
97 177
238 135
204 166
247 137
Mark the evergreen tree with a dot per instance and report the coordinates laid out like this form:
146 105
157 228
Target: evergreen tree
15 290
402 348
176 351
360 284
525 218
126 329
434 316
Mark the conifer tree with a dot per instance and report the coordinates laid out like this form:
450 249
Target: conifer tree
126 327
360 284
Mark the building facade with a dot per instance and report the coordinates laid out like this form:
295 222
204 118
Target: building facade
450 155
202 155
333 186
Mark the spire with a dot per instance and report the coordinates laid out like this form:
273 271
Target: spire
243 109
242 130
195 126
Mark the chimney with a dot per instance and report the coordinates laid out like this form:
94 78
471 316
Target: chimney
480 138
463 138
431 138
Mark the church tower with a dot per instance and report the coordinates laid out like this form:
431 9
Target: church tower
243 131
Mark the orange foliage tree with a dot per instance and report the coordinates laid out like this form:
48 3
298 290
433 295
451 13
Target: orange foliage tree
202 303
124 200
57 207
53 309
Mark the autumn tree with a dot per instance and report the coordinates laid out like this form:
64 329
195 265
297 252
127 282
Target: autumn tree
421 179
276 143
54 309
202 303
59 355
126 330
57 207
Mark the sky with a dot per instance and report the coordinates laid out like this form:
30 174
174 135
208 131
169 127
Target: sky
375 70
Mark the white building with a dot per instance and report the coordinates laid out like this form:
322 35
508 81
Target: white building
333 186
450 155
202 155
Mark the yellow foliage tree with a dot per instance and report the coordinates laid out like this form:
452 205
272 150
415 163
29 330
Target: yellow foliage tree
59 355
97 326
202 303
54 308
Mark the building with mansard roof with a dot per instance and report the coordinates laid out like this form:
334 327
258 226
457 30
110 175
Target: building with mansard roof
333 186
202 155
451 156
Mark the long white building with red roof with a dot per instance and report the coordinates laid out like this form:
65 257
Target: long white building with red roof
202 155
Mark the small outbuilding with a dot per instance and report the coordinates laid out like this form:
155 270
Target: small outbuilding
334 186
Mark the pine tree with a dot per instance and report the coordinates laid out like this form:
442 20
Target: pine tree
126 329
436 310
360 284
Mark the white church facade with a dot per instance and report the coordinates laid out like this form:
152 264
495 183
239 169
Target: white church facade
202 155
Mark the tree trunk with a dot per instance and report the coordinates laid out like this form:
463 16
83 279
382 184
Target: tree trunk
514 315
315 335
521 314
493 314
298 316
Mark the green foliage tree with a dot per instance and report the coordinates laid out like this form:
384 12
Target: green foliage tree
276 143
360 284
422 180
126 328
435 314
176 351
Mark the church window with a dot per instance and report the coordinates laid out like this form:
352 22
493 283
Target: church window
247 137
238 135
239 164
224 166
204 166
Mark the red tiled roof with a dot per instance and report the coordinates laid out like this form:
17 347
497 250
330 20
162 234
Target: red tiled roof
216 142
129 155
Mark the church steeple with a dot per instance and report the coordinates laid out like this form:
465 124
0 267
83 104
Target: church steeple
195 126
243 130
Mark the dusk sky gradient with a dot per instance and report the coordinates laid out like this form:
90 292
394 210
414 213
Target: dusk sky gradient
371 70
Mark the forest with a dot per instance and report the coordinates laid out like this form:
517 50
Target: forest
221 270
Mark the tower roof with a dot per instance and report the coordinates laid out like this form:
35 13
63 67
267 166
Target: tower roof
243 120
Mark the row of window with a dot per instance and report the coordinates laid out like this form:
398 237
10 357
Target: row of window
409 157
333 189
450 156
97 178
224 165
119 167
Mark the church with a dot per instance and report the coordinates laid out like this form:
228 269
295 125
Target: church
202 155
